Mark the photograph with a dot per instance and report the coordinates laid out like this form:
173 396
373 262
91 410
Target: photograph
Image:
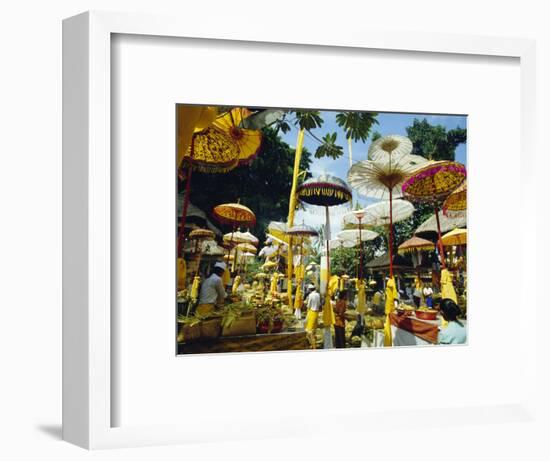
302 229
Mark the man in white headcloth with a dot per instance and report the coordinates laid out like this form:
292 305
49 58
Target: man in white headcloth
212 292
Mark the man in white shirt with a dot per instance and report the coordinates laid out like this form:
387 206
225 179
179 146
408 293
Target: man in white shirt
212 290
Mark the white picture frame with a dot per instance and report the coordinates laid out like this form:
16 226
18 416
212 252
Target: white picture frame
87 360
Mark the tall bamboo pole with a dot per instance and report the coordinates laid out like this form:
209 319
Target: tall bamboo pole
292 207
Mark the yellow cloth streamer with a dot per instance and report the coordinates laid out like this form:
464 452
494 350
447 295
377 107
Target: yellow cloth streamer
195 288
447 291
225 277
333 285
182 270
391 295
311 320
299 297
236 284
328 313
274 280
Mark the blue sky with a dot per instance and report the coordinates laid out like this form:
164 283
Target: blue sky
388 123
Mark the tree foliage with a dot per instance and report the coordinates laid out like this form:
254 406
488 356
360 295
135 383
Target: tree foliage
434 141
263 186
357 125
346 260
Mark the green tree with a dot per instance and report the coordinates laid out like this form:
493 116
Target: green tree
263 185
357 126
434 141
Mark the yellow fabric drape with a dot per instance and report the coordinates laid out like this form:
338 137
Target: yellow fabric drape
292 205
236 284
195 288
225 277
311 320
328 313
273 285
333 285
447 290
361 299
391 295
182 270
299 297
190 118
341 285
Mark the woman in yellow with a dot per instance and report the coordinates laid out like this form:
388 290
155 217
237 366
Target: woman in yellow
313 303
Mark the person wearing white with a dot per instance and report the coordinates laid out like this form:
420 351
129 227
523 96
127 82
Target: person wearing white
212 290
314 300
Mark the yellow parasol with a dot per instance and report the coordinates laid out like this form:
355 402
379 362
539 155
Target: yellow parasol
456 201
248 141
433 183
212 146
455 237
234 214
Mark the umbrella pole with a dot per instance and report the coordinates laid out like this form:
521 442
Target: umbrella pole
391 234
439 241
327 341
360 252
186 199
198 257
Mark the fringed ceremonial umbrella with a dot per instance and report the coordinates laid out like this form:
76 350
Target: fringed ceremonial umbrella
383 176
339 243
218 148
233 214
358 236
455 238
456 201
433 183
393 144
325 191
198 236
300 232
415 246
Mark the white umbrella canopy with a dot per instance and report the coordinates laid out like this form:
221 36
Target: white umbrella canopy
378 214
240 237
353 235
375 178
392 144
338 243
447 223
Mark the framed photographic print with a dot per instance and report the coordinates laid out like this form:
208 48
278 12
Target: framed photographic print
251 216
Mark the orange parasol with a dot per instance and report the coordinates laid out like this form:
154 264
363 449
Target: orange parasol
234 214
